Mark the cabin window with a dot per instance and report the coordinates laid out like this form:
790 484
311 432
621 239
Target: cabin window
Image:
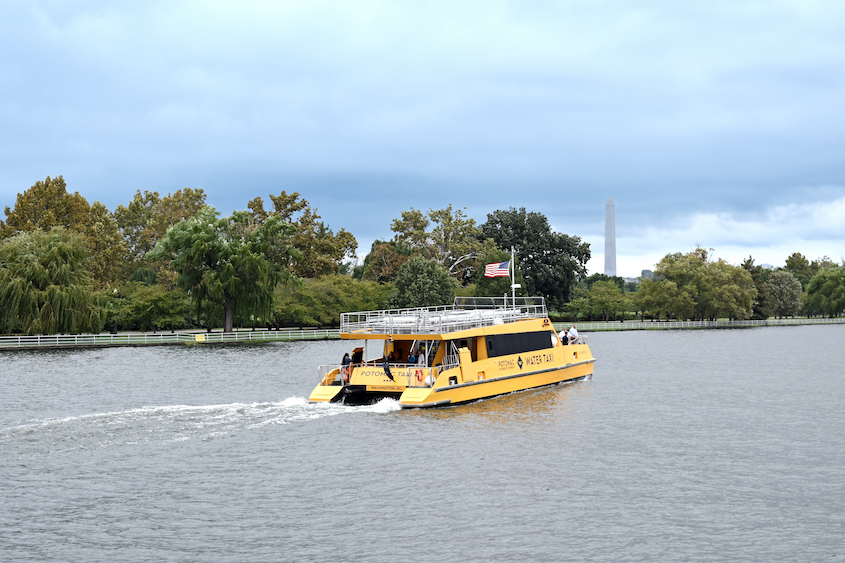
507 344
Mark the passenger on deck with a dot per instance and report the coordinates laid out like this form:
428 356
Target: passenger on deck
563 337
344 370
386 366
573 335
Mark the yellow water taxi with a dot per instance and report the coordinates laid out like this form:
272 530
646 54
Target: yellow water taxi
478 347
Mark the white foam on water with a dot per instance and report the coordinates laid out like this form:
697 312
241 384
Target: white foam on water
175 423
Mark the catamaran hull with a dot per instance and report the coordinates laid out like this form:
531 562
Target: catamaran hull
359 395
470 391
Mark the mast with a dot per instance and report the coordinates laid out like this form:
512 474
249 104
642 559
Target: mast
513 278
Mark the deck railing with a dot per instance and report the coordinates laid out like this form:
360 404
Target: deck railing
141 339
464 314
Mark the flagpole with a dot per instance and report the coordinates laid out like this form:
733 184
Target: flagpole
513 279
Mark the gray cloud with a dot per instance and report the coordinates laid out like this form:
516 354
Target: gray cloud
729 108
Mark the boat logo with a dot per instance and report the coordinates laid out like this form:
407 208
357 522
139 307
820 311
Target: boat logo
519 362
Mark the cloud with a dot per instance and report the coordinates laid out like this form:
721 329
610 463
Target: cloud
813 229
702 118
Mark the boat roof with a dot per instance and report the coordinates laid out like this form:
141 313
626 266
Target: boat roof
464 314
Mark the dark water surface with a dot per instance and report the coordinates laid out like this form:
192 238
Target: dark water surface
717 445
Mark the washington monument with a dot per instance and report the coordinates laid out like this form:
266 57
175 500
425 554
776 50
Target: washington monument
610 238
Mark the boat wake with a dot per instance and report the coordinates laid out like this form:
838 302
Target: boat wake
173 423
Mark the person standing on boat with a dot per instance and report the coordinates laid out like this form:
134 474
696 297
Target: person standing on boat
573 334
344 370
563 336
386 366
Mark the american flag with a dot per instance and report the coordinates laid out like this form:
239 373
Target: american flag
497 270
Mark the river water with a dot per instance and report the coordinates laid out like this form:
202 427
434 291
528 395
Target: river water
709 445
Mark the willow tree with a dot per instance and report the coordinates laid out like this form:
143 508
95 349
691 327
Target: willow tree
826 292
44 286
232 260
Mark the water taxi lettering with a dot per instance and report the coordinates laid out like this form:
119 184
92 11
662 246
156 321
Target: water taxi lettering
537 359
370 372
506 364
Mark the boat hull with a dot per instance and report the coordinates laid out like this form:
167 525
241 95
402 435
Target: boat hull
458 393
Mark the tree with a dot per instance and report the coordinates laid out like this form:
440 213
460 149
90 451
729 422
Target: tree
48 204
454 240
606 299
695 286
149 307
786 294
495 287
108 250
44 287
551 262
320 250
826 292
762 304
319 302
588 282
45 205
801 268
148 216
384 260
227 260
422 283
664 298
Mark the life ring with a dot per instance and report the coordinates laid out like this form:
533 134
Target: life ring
419 375
345 372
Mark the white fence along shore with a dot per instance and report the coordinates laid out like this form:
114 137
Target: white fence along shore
246 336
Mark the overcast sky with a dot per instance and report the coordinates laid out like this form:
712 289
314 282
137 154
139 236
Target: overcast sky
717 123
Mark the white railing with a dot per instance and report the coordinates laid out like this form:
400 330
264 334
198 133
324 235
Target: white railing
142 339
465 314
595 326
148 339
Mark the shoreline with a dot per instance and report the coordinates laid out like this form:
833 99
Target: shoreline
246 336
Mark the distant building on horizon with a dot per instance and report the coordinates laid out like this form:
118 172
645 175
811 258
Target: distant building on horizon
610 238
647 275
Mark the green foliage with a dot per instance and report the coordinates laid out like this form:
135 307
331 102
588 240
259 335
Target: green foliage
495 287
319 302
320 250
826 292
605 299
144 275
803 269
139 306
44 287
762 307
46 205
384 260
693 286
551 262
785 293
454 240
422 283
588 282
230 260
148 216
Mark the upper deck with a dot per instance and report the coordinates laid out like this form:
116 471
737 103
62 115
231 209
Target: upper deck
466 313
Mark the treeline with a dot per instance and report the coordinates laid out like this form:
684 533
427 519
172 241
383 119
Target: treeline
694 286
173 262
